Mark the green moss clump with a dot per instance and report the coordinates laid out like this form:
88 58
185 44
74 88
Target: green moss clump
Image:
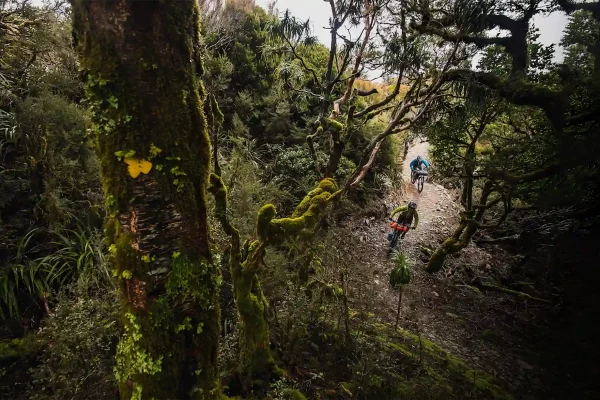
304 219
334 125
264 218
327 185
192 280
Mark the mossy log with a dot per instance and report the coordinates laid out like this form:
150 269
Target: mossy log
142 81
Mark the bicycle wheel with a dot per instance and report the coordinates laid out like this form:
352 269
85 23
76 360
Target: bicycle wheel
420 184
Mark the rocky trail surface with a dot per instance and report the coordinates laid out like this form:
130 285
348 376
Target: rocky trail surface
486 329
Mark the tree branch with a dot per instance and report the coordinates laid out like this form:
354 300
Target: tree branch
301 59
570 7
517 91
532 176
370 18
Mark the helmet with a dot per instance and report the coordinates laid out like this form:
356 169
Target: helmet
412 205
419 158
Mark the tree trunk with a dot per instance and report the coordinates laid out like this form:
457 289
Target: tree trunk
142 73
463 234
335 157
406 148
458 241
256 364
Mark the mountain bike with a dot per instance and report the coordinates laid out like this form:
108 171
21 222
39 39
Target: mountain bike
398 229
418 175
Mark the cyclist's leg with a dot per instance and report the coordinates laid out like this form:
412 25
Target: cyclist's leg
404 232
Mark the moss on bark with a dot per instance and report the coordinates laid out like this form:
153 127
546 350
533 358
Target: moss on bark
303 223
257 366
461 237
142 71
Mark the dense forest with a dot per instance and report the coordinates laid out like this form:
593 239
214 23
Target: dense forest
195 197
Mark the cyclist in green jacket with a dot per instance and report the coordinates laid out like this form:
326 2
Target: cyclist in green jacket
406 215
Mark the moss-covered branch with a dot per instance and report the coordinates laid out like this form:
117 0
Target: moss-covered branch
532 176
501 289
469 224
594 8
257 366
304 219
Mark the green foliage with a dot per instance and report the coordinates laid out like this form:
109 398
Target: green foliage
539 58
76 261
581 29
247 191
400 274
294 169
79 346
48 174
17 359
292 394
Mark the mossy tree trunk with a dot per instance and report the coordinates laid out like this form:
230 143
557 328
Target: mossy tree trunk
471 218
256 360
143 87
257 365
464 232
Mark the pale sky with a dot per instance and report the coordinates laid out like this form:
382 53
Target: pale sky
318 11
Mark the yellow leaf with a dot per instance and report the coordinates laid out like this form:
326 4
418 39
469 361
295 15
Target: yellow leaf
136 166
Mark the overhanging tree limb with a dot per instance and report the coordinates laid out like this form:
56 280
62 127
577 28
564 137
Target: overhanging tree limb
570 6
517 91
515 44
542 173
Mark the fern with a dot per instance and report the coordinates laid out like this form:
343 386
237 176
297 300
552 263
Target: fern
78 262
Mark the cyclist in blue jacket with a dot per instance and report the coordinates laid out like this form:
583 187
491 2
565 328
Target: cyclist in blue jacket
417 162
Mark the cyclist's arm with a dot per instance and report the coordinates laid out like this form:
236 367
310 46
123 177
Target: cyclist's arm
416 217
413 164
398 210
426 163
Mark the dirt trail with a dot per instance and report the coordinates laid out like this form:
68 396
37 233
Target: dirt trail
479 328
437 210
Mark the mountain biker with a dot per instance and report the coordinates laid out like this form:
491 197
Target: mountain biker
417 163
406 215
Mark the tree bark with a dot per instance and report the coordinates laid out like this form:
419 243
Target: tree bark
463 234
142 71
256 364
